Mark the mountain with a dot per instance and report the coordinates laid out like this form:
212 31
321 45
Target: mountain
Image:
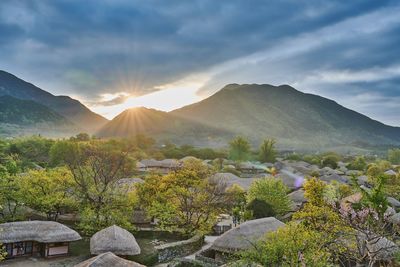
161 125
292 117
22 117
295 119
67 107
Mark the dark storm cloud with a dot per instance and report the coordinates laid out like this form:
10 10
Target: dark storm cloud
89 48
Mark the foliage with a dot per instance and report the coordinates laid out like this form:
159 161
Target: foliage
10 195
96 166
330 160
267 151
291 245
368 218
48 191
394 156
272 191
314 190
293 156
358 163
33 149
260 209
184 200
80 137
239 149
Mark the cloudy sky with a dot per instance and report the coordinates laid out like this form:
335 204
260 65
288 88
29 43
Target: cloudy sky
164 54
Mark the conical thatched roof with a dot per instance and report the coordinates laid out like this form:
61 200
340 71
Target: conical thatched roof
108 259
243 236
114 239
39 231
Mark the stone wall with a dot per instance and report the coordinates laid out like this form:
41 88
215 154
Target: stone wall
178 249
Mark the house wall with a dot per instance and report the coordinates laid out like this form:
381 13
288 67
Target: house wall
56 249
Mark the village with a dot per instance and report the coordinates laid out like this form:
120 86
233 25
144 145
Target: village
82 209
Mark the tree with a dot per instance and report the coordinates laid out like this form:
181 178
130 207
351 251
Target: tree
48 191
330 159
184 200
291 245
81 137
273 192
239 149
10 195
267 151
260 209
96 166
368 218
358 163
394 156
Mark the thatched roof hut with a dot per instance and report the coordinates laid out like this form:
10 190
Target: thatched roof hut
230 179
106 260
243 236
114 239
39 231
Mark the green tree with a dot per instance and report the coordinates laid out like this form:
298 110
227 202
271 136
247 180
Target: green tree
267 151
239 149
291 245
272 191
10 196
394 156
260 209
358 163
48 191
184 200
330 159
96 167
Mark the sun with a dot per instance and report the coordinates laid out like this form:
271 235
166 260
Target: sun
166 99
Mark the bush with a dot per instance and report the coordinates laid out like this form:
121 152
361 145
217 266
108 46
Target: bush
330 160
260 209
358 163
394 156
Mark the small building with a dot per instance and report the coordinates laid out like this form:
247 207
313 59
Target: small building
162 166
36 238
238 239
249 169
116 240
230 179
108 259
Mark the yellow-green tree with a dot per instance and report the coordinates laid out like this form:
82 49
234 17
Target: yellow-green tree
239 149
273 191
184 200
291 245
96 166
267 151
48 191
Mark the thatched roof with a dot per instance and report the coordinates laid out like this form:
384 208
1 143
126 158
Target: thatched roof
39 231
230 179
106 260
243 236
165 163
114 239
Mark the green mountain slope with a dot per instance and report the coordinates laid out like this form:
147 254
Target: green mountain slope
24 117
292 117
63 105
161 125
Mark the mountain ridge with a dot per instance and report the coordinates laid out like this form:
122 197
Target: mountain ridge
64 105
294 118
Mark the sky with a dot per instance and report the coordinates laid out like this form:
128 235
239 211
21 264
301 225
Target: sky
112 55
